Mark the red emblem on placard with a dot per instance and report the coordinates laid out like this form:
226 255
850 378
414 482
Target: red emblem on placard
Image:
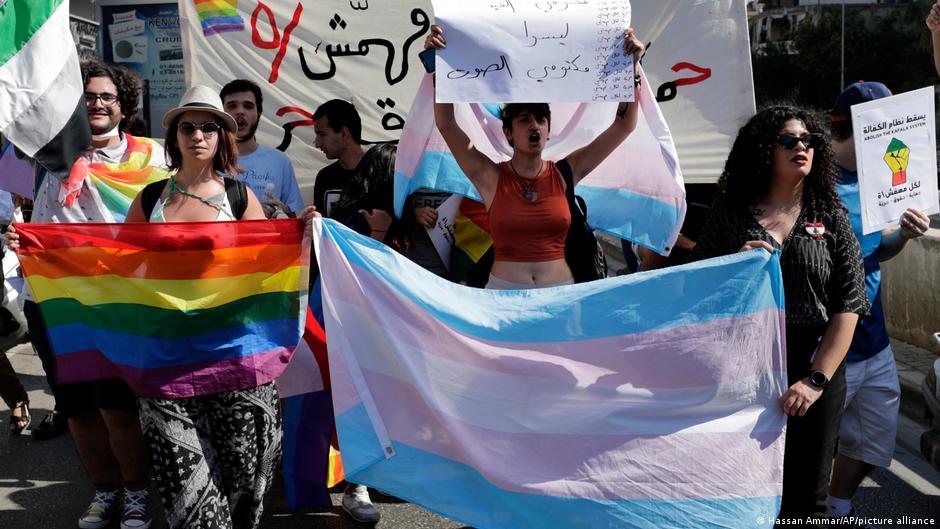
815 229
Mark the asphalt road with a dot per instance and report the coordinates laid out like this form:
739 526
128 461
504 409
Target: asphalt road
42 484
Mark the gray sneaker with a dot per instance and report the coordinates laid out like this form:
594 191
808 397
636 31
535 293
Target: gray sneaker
358 505
99 513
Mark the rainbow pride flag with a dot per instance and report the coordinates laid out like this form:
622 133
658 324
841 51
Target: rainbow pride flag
472 239
637 193
175 309
641 401
119 183
219 16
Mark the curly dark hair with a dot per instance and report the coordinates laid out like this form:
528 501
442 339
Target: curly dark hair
126 81
749 168
373 187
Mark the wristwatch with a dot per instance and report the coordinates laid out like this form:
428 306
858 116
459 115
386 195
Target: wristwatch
819 379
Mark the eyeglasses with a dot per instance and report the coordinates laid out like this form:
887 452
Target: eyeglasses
106 98
208 128
789 141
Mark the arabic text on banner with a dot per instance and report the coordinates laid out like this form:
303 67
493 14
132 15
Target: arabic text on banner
697 62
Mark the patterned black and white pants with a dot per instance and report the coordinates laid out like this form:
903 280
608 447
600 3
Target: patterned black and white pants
214 456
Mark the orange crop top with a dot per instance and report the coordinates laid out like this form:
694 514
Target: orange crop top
526 230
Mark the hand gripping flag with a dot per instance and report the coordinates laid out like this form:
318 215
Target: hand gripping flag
640 401
636 193
42 110
175 309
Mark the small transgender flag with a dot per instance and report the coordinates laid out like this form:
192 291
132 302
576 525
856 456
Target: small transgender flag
219 16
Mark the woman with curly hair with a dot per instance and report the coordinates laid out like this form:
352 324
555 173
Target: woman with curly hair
777 193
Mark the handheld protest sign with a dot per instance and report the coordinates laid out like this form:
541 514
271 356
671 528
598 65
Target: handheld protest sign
896 152
527 50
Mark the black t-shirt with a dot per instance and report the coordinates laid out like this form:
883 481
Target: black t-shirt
820 260
328 187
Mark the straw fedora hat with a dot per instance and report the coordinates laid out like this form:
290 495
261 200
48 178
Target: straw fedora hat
204 99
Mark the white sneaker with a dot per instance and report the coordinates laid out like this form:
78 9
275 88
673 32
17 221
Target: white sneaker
359 506
99 513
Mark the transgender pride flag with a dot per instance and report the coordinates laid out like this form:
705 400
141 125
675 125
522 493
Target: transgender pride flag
636 194
640 401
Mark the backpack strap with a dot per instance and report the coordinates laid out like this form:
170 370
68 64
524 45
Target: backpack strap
150 195
566 173
574 201
237 193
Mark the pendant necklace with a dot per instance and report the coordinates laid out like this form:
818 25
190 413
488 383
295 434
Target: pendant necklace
528 186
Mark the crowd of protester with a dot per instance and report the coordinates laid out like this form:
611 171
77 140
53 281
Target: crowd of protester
789 185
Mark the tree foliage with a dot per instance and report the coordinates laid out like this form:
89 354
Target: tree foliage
893 48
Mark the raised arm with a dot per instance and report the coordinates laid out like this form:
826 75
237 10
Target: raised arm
587 158
933 23
482 172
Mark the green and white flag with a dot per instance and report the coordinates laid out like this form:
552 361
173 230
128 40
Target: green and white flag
42 108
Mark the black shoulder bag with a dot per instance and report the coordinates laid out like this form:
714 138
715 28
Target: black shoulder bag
584 254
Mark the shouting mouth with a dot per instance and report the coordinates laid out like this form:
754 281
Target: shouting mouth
535 137
240 122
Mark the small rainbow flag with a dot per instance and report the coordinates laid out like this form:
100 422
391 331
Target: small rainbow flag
177 309
219 16
472 239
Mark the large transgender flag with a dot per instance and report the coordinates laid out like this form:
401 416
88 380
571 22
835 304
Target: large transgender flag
636 194
642 401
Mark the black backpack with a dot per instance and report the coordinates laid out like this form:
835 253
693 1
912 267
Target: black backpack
585 256
235 189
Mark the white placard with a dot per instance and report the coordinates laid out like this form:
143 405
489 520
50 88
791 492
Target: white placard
126 29
442 234
896 151
533 50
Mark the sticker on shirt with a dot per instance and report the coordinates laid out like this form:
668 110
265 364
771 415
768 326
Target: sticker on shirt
330 199
816 230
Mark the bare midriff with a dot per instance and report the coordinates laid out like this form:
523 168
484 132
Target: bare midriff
538 273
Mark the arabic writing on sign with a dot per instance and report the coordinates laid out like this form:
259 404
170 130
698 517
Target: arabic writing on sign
894 195
534 50
499 66
894 123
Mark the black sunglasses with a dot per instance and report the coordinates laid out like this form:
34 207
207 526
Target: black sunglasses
209 127
789 141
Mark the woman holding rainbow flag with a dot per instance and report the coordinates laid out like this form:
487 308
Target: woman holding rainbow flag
214 455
